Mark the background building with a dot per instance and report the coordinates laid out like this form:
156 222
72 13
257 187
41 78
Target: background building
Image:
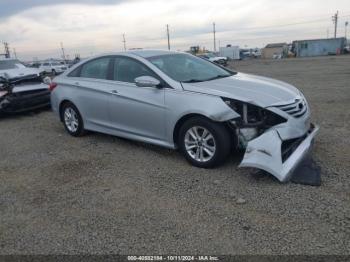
231 52
319 47
277 50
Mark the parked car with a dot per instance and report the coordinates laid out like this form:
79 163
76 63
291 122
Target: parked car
213 58
177 100
53 67
21 88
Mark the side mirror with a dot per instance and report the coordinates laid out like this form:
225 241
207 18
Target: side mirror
47 80
147 81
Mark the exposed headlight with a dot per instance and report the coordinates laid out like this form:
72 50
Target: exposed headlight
252 115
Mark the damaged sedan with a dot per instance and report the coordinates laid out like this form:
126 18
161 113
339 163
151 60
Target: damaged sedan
21 88
177 100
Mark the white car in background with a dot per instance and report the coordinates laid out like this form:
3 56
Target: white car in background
215 59
53 67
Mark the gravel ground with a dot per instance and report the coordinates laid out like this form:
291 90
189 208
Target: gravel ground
101 194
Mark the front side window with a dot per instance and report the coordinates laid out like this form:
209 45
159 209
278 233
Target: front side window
127 69
97 68
188 68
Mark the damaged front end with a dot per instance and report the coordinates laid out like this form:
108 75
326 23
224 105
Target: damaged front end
275 139
23 93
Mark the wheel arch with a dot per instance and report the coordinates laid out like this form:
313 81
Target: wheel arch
186 117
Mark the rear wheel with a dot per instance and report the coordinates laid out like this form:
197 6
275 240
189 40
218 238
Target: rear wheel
72 119
204 143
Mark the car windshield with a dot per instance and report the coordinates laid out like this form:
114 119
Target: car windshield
10 64
188 68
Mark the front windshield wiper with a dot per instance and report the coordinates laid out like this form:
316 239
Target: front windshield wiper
217 77
193 81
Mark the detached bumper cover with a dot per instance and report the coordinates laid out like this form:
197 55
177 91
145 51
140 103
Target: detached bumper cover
265 152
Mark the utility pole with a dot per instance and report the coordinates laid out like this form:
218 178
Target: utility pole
124 42
214 37
14 52
346 29
7 50
63 54
335 20
167 32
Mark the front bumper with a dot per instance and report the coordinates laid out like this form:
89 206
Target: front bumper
25 101
266 153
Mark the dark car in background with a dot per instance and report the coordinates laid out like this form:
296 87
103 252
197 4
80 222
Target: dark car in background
21 88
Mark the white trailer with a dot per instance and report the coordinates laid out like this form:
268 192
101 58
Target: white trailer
231 52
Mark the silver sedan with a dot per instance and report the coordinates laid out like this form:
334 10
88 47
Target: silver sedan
177 100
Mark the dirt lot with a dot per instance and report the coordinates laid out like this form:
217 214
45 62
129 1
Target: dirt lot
102 194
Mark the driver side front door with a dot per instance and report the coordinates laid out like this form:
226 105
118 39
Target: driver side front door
136 111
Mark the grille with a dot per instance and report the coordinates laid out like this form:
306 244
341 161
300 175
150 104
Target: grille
297 109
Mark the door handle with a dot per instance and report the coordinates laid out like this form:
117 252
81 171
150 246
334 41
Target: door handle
77 83
114 92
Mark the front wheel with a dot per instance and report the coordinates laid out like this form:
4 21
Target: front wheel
204 143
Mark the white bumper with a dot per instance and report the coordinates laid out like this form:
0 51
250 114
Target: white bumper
265 152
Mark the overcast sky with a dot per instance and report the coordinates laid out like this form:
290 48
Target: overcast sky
35 28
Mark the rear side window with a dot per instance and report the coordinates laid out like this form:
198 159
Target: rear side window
75 72
127 69
97 68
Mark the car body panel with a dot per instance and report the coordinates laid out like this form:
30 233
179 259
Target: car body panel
257 90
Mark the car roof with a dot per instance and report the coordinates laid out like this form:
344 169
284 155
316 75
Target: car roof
150 53
145 53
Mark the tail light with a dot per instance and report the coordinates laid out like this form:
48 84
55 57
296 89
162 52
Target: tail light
52 86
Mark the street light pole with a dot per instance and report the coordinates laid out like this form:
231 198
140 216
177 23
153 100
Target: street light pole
346 29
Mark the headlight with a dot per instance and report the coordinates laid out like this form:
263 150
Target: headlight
252 115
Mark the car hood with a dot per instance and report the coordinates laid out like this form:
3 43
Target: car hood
258 90
19 72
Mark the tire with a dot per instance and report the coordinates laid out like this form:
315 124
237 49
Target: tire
72 120
213 142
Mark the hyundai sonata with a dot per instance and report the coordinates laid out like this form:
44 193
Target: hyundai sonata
177 100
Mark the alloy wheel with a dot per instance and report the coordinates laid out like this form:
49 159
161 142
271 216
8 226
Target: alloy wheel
200 144
71 119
